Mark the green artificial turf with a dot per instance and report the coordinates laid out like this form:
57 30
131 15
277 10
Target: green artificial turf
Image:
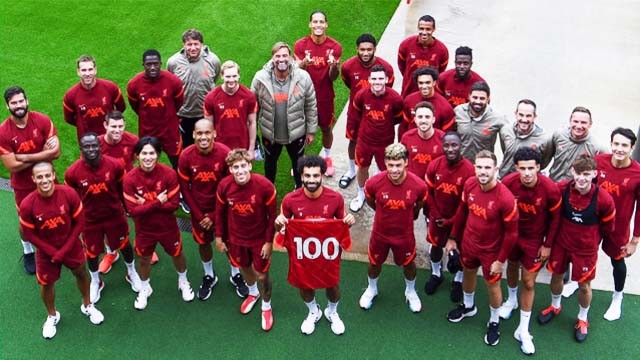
41 41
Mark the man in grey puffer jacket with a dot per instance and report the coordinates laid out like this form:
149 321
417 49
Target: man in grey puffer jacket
288 112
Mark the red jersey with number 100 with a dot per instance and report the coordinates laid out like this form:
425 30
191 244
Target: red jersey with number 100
315 250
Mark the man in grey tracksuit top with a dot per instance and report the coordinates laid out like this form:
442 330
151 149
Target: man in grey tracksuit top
288 112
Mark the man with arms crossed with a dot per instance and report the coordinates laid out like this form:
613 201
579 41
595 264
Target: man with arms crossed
397 196
315 201
539 203
52 219
487 224
26 137
620 176
245 225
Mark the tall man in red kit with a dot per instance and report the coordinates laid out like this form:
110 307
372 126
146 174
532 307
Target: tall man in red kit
421 50
539 203
319 55
487 225
245 225
355 75
445 179
98 181
455 84
52 219
151 193
587 215
156 95
620 176
378 108
26 137
397 196
87 103
316 202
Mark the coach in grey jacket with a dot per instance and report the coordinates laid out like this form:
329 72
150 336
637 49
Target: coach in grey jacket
288 114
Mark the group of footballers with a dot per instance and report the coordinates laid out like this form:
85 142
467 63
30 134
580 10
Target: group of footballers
480 213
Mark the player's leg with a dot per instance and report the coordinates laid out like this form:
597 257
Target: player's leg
271 154
96 285
331 312
132 276
308 326
264 285
527 295
364 156
28 251
469 281
326 118
348 177
513 275
410 294
436 253
492 337
619 275
204 238
584 301
93 238
296 151
184 286
87 307
47 292
145 250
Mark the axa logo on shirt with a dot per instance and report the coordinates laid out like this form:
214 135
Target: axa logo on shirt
26 146
95 112
52 223
205 176
393 204
420 62
98 188
154 102
319 61
376 115
421 158
362 84
230 113
613 189
447 188
478 210
527 208
242 209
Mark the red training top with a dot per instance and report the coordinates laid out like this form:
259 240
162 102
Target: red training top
230 115
86 108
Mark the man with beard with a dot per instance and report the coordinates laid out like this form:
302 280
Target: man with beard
539 203
315 201
198 68
232 108
445 178
355 75
98 181
151 193
587 215
26 137
319 55
397 196
427 79
487 225
378 108
477 122
523 133
245 226
200 169
455 84
156 95
87 103
288 111
620 176
52 218
421 50
424 143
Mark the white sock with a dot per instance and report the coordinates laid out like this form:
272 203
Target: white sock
495 316
458 277
617 295
312 305
333 307
27 248
95 276
525 316
146 283
130 267
435 268
361 192
410 285
555 300
352 167
513 295
182 276
253 289
234 271
266 305
208 268
468 299
583 313
373 283
326 152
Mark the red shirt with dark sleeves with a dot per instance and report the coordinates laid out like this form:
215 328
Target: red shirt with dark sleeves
487 220
230 115
422 151
585 239
445 118
157 103
378 115
53 224
152 219
538 208
100 188
356 77
445 182
86 108
123 151
454 89
412 55
27 140
246 213
319 69
623 184
395 204
199 175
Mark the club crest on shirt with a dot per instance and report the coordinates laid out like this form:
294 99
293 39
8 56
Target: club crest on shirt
158 185
408 195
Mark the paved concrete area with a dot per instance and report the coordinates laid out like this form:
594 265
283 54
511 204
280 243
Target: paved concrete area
560 54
